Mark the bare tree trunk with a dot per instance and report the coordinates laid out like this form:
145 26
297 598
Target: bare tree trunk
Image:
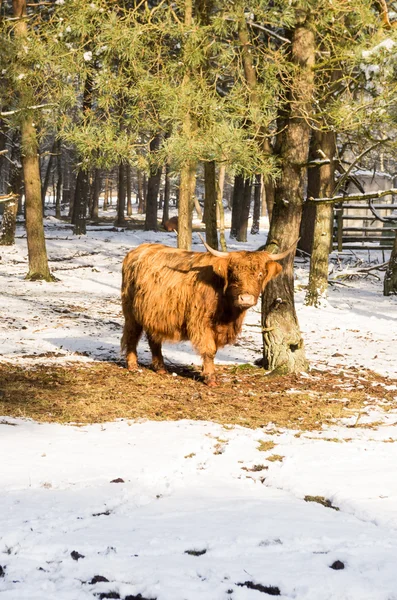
153 189
211 234
167 191
48 173
322 234
283 347
80 203
96 190
390 281
106 194
197 207
140 192
129 190
59 181
237 202
219 201
185 212
257 204
38 262
245 212
121 195
15 186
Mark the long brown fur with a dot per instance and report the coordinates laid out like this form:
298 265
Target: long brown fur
174 295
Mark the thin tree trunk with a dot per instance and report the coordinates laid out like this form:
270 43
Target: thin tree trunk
140 192
245 211
322 234
38 262
9 221
283 347
219 201
185 211
96 190
144 192
211 234
167 193
48 173
59 181
80 203
197 207
129 190
390 281
153 189
257 205
121 195
106 194
237 202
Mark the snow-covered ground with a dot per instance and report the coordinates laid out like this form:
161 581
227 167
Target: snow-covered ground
187 510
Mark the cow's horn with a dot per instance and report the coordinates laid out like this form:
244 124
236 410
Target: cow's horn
282 255
214 252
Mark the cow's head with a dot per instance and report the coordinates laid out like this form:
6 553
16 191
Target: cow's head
246 274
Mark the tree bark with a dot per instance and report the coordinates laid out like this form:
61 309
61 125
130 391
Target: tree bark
121 195
185 211
129 191
59 181
140 192
237 201
38 262
167 192
153 189
48 174
257 204
211 234
96 191
15 186
245 212
219 201
106 194
390 281
283 347
322 231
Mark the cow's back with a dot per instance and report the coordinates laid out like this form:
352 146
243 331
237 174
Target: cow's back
158 285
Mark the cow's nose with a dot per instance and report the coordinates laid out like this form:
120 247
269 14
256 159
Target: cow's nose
246 300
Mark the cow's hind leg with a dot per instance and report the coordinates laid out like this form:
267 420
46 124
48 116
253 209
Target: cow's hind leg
157 356
129 342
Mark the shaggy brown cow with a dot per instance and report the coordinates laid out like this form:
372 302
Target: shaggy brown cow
175 295
171 224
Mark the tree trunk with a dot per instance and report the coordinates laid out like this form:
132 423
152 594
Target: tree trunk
129 191
15 186
257 205
48 174
153 189
211 234
59 181
38 262
283 347
219 201
140 192
106 194
390 281
121 195
144 192
167 191
197 207
322 234
245 212
237 202
185 212
80 202
96 191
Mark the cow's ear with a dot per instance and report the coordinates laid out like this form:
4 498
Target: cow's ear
273 269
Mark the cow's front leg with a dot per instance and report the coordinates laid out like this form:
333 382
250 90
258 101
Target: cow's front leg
207 349
157 356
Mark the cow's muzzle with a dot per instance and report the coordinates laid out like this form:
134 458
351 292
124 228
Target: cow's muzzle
246 300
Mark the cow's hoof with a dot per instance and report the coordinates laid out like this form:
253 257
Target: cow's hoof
160 370
132 368
211 382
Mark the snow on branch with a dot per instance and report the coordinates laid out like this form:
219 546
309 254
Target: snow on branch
13 112
353 197
8 197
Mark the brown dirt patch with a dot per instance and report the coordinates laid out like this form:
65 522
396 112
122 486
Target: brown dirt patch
98 392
